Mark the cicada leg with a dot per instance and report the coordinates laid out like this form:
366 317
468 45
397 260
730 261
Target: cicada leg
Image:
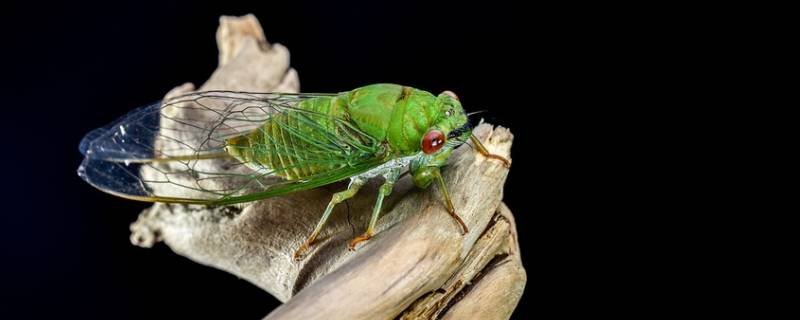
450 208
352 189
482 150
385 189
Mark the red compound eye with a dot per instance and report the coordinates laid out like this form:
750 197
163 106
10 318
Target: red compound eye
432 141
450 93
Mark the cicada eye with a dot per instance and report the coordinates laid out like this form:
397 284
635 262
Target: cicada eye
451 94
432 141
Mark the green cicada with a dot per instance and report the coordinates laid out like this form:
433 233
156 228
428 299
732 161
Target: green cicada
226 147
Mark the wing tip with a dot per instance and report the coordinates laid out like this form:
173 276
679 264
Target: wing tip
87 140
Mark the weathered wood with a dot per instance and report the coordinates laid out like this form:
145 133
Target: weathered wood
418 265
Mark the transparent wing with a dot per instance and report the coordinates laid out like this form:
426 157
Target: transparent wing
175 151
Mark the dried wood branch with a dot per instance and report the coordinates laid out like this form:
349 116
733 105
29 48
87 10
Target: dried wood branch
418 265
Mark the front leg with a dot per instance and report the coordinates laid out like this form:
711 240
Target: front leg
482 150
450 208
424 176
385 189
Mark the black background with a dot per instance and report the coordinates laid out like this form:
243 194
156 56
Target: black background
72 67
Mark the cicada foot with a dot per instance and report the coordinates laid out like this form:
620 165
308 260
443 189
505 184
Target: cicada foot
464 228
302 250
357 240
483 151
506 162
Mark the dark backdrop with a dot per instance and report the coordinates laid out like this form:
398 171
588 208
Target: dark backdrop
72 67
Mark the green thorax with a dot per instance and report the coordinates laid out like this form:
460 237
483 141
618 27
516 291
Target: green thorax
394 114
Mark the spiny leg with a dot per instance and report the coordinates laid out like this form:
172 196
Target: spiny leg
352 189
482 150
383 191
450 209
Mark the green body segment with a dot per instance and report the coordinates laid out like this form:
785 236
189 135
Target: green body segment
396 117
393 114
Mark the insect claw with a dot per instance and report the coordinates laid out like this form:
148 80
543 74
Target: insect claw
301 252
482 150
356 240
464 228
506 162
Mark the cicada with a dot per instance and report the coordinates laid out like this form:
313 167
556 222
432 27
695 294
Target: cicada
225 147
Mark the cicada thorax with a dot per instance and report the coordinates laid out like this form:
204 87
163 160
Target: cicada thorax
396 114
295 144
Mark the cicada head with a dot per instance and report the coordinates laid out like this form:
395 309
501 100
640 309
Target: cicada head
452 127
